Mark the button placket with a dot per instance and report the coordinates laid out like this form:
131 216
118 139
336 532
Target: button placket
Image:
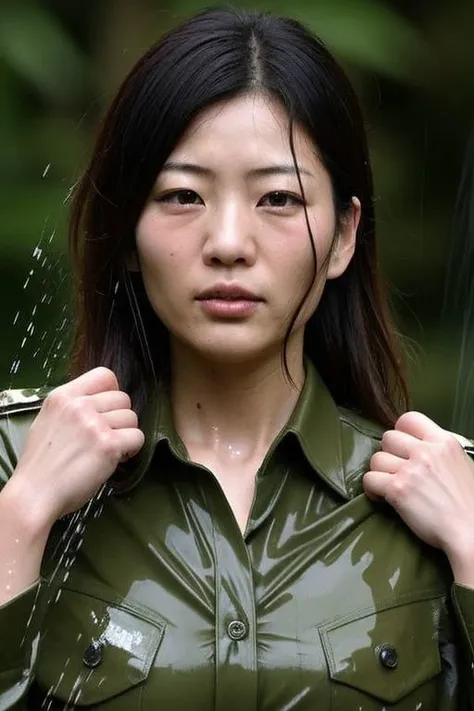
237 630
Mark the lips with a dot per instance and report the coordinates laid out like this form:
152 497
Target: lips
228 292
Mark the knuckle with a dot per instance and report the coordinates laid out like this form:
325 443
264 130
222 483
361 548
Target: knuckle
450 444
399 488
56 399
402 419
90 425
376 460
109 376
425 456
75 407
107 446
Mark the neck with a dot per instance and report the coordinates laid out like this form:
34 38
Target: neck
229 410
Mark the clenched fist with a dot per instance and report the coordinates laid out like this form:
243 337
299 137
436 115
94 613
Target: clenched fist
424 473
83 431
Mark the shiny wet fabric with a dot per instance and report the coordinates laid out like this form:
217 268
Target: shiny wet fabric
327 602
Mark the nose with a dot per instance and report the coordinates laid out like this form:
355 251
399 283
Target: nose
230 238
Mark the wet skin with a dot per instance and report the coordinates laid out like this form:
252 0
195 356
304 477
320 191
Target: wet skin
326 602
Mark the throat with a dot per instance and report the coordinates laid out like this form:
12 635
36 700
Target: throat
236 478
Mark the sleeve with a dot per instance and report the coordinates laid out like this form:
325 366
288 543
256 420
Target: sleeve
463 600
17 647
20 617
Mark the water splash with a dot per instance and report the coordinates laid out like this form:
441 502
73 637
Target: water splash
41 348
458 305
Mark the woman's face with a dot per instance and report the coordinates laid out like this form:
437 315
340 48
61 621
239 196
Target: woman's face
223 244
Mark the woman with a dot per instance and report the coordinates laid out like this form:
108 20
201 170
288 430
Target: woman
234 368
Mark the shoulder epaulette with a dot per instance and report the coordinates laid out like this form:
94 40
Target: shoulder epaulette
13 401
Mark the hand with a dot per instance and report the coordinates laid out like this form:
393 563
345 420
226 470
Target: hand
423 472
82 432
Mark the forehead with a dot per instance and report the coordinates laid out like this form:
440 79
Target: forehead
251 128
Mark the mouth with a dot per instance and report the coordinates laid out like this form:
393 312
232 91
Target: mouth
227 293
229 302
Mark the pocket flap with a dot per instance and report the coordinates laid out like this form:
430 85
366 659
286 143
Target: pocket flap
93 650
386 654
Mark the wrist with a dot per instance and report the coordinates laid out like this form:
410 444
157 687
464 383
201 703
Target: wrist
19 504
461 559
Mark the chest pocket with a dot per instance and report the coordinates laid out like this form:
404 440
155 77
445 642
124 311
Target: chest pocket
389 655
92 650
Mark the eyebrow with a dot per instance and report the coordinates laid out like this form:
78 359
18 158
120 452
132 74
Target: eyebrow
193 169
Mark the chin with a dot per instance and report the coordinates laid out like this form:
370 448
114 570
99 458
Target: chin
235 352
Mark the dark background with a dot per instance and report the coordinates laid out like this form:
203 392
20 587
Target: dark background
412 62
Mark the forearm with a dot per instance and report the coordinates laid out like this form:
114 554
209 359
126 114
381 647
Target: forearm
23 536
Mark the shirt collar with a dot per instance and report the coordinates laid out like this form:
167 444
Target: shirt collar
315 421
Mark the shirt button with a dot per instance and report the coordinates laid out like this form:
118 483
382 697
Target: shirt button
93 654
388 656
237 630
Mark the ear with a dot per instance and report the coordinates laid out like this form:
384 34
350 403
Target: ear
343 250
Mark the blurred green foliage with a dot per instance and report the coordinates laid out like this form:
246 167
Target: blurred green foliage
410 62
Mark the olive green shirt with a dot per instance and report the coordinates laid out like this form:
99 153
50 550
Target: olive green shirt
154 600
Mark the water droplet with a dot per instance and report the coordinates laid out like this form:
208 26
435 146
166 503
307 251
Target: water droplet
15 366
46 170
17 315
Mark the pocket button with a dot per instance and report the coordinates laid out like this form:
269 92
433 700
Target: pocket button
93 654
388 656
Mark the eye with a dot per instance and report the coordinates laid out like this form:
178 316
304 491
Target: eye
181 197
280 199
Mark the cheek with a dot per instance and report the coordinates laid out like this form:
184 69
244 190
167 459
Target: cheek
295 251
156 254
300 267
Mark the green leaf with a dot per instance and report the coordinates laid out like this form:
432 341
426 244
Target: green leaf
37 47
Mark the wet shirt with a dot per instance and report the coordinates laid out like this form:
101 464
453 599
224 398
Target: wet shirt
154 600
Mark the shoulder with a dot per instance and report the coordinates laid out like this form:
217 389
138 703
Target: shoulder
21 401
360 439
18 409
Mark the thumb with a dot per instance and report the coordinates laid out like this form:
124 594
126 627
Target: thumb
376 484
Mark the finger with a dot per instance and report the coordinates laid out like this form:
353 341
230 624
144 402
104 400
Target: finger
463 441
420 426
131 441
376 484
399 444
121 419
111 400
386 462
94 381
